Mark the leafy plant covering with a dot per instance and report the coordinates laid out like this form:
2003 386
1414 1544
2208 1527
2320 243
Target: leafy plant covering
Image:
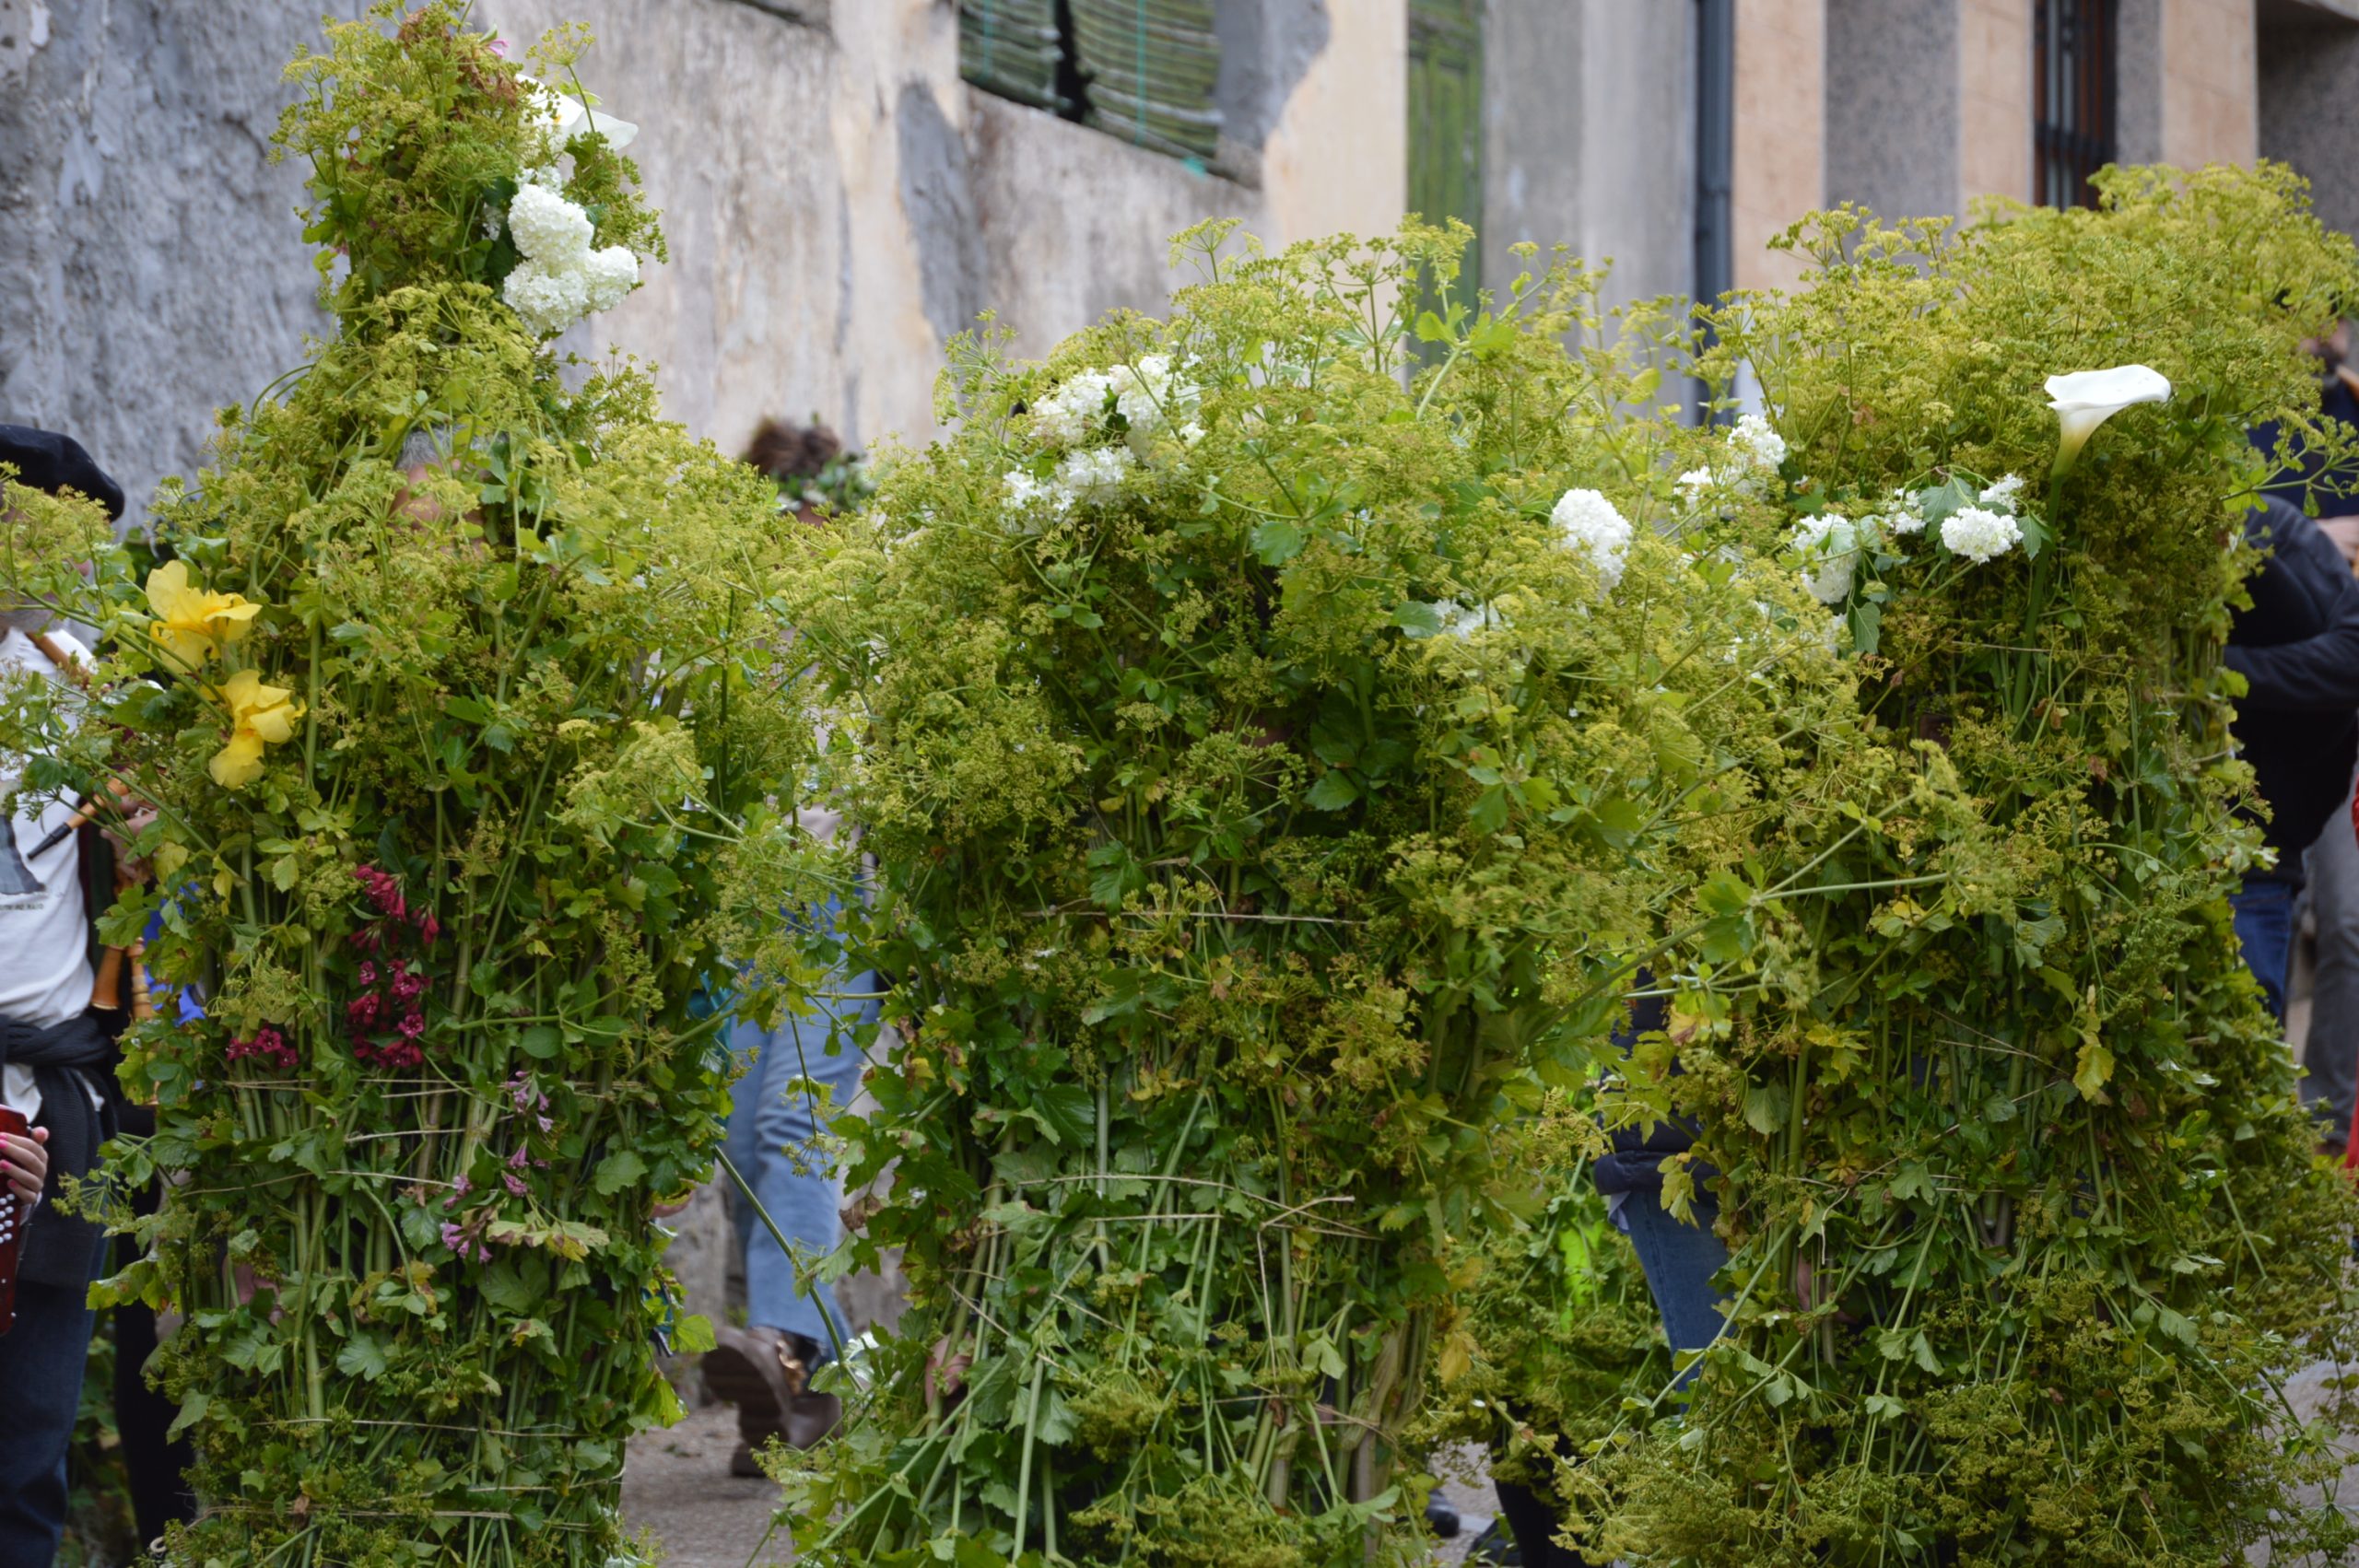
464 738
2027 1230
1275 768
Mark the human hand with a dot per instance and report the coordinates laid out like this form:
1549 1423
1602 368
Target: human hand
2344 531
23 1164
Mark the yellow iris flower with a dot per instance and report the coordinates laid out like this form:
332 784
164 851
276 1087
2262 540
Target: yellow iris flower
260 716
192 624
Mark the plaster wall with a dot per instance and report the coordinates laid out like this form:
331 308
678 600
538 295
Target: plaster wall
1894 95
2309 61
838 201
1778 170
2209 82
1590 139
1995 106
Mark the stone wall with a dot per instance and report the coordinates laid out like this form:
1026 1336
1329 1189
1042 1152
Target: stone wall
2309 110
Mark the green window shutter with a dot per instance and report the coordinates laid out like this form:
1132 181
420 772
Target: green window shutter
1446 122
1153 68
1010 47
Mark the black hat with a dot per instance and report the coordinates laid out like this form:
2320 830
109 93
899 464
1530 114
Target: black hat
45 461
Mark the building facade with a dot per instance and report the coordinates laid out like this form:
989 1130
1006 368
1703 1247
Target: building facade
849 182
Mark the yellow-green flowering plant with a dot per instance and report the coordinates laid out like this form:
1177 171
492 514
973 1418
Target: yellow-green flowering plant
1276 766
2027 1231
470 750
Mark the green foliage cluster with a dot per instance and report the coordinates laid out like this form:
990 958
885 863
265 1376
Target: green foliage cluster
2027 1230
467 773
1270 797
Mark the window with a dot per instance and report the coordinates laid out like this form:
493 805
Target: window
1445 124
1147 71
2072 73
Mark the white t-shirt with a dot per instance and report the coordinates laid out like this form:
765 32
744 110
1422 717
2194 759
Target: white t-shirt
44 929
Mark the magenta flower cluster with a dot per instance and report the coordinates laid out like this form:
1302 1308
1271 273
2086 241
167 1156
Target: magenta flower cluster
267 1047
387 1019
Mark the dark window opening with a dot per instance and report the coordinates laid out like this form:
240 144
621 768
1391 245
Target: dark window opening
2072 77
1147 71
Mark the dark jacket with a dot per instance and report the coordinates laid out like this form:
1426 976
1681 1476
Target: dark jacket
2298 649
1636 1162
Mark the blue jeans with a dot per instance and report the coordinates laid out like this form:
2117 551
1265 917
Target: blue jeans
1679 1260
40 1392
770 1128
2264 910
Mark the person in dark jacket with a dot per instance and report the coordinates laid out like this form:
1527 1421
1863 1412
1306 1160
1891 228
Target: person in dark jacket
57 1055
2330 1047
2297 723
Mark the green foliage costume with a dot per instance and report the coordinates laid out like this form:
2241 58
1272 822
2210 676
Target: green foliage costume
1276 767
2027 1231
461 731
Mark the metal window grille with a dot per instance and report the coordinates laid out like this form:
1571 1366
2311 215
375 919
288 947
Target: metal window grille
1147 71
2073 70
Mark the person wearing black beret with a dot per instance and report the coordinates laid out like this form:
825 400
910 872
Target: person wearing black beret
57 1056
46 460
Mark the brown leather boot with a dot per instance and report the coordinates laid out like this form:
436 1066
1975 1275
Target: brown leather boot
766 1374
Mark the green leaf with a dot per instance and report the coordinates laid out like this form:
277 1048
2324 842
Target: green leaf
1068 1113
1418 617
619 1170
1489 813
541 1041
692 1334
1279 540
1333 791
361 1357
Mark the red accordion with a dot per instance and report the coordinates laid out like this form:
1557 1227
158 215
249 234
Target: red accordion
12 1230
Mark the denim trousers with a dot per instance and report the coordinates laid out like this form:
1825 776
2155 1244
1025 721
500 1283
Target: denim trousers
2331 1054
40 1392
2264 915
773 1120
1679 1260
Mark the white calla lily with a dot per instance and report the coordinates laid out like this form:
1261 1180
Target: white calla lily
2086 399
571 117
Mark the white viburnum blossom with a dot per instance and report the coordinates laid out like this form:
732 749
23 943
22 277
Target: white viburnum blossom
1463 621
1589 523
1692 486
1980 535
1907 514
1757 441
545 299
609 274
1073 411
2000 492
1148 394
547 228
1094 473
1829 546
1032 504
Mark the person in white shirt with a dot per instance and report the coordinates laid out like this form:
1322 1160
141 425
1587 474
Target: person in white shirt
57 1055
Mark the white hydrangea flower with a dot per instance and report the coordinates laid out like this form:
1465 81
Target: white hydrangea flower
1074 410
1095 474
609 274
1829 546
1463 621
548 229
1589 523
1980 535
1692 486
1190 433
1757 441
1906 516
1031 504
2001 493
546 299
1148 394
